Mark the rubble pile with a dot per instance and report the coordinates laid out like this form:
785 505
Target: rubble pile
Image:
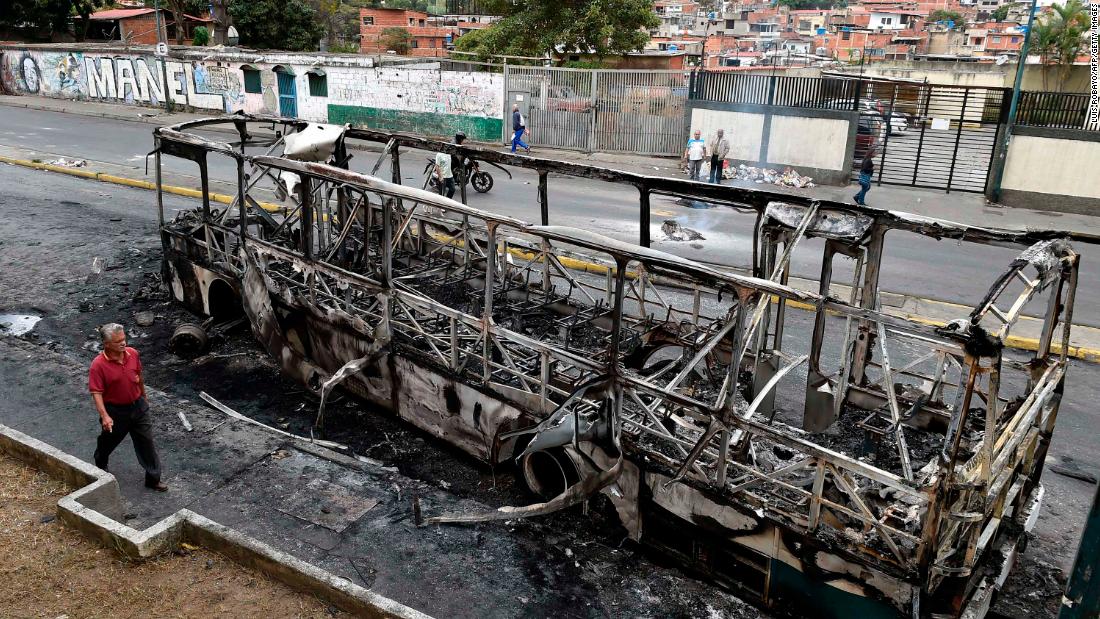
789 177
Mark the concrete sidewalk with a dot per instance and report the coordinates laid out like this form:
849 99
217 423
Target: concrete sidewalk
969 208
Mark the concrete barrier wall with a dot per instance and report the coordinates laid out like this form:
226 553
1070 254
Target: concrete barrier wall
424 101
1053 170
818 143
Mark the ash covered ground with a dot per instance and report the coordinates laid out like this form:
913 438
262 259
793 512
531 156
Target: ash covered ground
581 565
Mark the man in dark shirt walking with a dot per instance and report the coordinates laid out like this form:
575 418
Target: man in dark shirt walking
866 171
118 391
519 127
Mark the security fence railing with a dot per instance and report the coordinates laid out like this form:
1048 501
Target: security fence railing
1062 110
782 90
646 112
601 110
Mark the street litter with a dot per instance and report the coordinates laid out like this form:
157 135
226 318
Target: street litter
789 177
183 420
97 270
675 232
69 163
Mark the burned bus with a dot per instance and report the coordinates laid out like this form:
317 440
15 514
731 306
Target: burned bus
902 487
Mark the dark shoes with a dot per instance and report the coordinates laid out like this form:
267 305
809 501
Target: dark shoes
160 486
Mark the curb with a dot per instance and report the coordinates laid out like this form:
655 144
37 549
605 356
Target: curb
95 508
131 182
1012 341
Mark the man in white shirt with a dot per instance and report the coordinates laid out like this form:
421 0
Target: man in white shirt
444 172
694 153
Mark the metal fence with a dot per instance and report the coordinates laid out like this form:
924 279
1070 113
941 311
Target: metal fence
639 112
933 136
1061 110
926 135
787 91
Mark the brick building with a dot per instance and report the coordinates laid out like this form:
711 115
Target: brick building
426 38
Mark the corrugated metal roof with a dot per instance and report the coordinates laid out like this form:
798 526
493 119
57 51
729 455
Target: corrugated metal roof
113 14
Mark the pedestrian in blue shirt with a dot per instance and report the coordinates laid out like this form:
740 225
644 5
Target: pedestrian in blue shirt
694 153
866 171
519 127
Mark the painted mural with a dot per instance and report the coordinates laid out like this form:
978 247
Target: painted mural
51 74
426 101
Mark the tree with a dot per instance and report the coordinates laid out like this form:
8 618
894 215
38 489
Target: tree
396 39
1060 37
46 19
341 23
1001 12
541 27
945 16
201 37
180 8
799 5
277 24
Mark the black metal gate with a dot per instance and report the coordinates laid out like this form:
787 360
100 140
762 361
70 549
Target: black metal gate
932 136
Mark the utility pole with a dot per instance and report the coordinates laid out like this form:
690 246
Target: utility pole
220 14
162 51
1006 135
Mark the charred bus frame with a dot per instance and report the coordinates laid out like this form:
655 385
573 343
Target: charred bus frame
603 366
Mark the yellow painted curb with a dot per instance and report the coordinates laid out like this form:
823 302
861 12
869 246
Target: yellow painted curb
1012 341
130 182
75 172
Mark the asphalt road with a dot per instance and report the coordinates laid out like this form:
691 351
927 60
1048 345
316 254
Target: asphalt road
912 264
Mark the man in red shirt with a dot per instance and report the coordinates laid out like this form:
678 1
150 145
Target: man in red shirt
119 395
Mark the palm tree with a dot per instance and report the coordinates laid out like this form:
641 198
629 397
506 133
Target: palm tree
1060 37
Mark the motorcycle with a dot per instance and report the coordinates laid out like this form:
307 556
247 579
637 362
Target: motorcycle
479 179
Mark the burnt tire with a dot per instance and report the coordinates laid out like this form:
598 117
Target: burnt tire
188 341
482 182
546 474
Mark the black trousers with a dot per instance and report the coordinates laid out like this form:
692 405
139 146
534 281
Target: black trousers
447 188
132 419
715 169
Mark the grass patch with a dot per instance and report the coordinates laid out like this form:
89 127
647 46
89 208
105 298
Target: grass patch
50 571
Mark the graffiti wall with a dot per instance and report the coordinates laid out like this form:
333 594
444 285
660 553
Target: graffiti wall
426 101
48 74
130 79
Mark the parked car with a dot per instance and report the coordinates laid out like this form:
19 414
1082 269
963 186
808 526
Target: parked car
869 134
897 124
565 99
